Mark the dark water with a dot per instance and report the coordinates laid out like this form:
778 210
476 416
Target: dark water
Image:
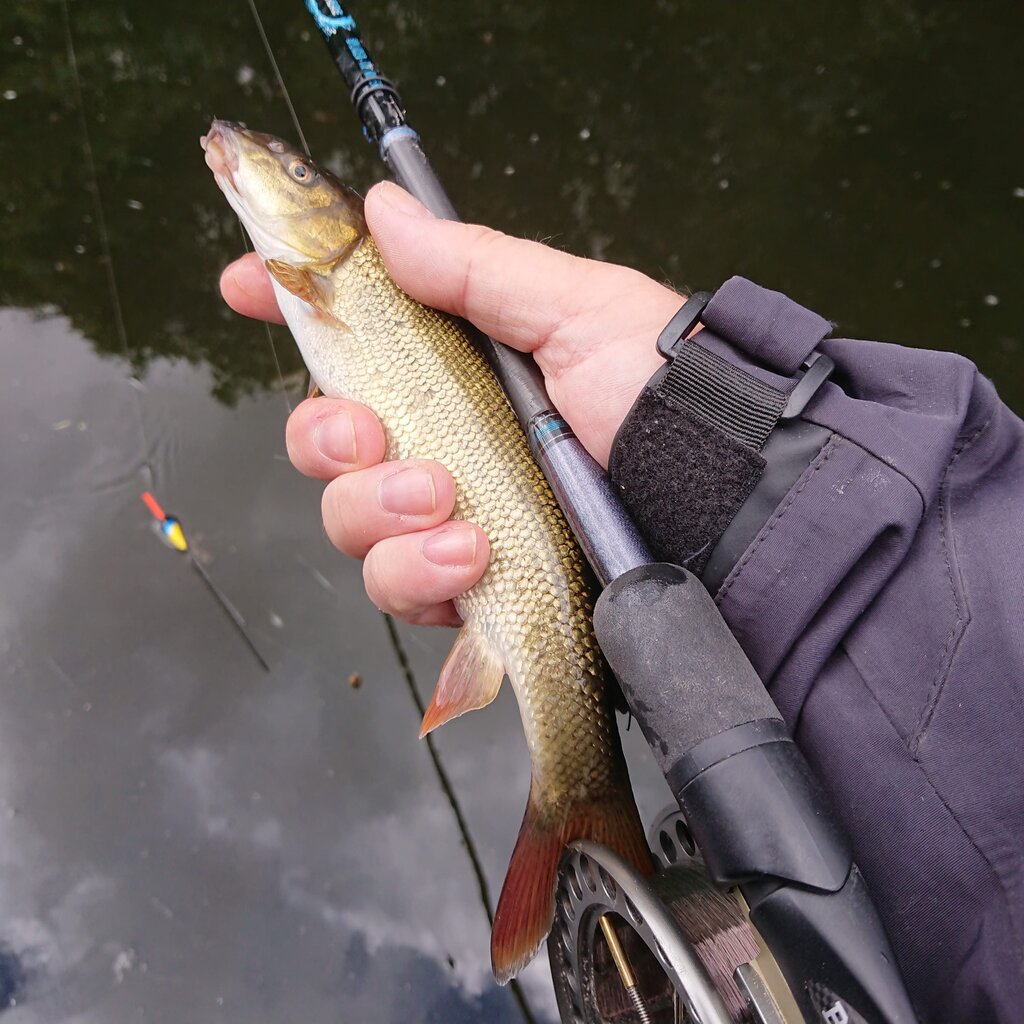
182 835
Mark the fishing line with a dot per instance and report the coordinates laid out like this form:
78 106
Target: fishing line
266 324
277 73
286 96
461 824
442 776
101 226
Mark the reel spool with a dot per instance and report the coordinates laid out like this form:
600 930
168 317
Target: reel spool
662 950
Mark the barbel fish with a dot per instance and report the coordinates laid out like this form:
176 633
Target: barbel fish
529 617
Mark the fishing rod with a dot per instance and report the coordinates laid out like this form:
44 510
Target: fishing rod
601 524
754 830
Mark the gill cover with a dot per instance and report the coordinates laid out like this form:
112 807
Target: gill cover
295 211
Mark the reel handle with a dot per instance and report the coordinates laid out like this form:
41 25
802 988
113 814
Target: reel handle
752 803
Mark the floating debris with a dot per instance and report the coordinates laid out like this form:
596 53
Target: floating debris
355 680
123 963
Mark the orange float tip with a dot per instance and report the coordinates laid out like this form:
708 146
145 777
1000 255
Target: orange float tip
153 505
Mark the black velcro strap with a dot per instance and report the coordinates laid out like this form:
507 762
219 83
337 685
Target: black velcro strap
723 395
681 480
688 454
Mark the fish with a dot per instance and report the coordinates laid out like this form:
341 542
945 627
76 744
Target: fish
529 616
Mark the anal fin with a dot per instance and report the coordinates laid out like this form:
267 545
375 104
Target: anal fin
470 679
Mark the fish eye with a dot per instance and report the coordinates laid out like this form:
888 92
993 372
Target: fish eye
301 172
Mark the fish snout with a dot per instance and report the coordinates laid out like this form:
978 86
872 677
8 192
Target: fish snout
221 149
231 126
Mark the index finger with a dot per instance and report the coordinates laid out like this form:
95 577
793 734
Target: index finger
245 285
525 294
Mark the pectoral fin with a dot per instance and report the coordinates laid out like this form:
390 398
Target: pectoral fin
303 283
470 679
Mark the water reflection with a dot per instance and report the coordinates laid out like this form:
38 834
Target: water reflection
838 158
184 836
183 832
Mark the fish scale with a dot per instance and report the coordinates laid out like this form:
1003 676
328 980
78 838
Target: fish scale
529 615
437 399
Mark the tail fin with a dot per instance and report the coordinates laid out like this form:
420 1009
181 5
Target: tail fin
526 906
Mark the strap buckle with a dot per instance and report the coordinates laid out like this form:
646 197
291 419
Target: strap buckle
679 328
817 367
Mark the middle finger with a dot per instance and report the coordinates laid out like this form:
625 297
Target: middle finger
395 498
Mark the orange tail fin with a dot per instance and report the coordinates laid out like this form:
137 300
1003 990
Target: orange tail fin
526 906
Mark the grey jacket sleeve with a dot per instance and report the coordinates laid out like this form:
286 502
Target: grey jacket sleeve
881 602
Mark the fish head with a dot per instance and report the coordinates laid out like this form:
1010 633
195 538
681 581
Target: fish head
293 210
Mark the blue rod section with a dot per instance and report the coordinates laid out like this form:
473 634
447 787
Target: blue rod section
602 526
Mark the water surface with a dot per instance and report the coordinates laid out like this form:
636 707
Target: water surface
182 835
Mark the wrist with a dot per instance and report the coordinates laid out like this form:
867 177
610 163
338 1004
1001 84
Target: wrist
706 440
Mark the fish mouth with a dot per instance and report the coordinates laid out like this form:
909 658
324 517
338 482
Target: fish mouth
221 150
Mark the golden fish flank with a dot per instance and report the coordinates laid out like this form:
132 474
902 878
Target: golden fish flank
530 615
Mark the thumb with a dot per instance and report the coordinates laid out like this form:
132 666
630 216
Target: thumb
591 326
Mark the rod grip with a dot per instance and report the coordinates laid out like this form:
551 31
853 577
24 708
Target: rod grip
758 814
683 674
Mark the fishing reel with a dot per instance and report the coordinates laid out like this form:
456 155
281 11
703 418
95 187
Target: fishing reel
665 950
772 922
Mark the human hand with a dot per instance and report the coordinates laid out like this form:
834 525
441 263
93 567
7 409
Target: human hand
591 327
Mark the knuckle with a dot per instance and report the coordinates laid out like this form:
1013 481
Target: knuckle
379 584
481 248
298 440
336 509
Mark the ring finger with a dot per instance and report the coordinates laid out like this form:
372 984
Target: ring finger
416 575
388 500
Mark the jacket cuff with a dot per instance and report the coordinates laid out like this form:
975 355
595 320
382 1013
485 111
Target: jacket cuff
697 479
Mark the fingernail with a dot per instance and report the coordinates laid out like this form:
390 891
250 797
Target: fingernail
335 438
401 202
410 492
455 545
